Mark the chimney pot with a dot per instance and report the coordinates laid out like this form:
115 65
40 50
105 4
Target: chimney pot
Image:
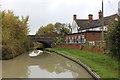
100 14
90 17
74 17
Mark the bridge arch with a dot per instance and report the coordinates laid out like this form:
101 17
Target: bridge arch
45 44
45 40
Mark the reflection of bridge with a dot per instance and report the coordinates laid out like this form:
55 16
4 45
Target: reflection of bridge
46 40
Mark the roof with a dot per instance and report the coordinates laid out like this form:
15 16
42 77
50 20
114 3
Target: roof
86 24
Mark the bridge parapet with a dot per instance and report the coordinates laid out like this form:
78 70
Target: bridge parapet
46 38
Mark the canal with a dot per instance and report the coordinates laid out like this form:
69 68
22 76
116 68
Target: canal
46 65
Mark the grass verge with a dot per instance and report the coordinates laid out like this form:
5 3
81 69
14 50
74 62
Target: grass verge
104 65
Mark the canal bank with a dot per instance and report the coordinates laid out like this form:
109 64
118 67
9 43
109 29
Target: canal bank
92 73
46 65
10 55
103 64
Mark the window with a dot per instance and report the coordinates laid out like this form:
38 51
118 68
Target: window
81 39
74 39
67 39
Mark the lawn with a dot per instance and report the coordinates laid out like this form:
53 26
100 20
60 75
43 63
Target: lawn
104 65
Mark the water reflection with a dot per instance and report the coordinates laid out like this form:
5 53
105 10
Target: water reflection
43 66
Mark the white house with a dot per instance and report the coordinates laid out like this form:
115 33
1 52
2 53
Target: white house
82 25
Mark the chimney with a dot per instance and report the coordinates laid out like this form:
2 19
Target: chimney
74 17
100 14
90 17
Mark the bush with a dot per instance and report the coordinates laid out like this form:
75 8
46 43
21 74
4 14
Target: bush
113 38
14 34
59 40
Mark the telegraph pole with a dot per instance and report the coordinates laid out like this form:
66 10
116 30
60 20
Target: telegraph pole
102 22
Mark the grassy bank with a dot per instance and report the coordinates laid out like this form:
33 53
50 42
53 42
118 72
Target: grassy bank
104 65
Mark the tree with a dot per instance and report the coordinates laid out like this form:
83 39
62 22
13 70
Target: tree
14 33
59 40
56 29
58 26
113 38
70 28
46 30
62 29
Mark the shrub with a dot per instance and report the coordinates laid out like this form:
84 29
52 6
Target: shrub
14 34
113 38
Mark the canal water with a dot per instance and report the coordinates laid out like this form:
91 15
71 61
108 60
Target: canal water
45 65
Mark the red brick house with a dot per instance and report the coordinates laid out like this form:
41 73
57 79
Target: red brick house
83 37
88 30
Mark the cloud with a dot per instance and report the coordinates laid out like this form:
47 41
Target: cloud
43 12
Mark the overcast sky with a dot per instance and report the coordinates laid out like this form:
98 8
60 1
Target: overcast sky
43 12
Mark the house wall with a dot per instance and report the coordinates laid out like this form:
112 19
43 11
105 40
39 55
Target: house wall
93 37
74 27
88 37
75 35
105 28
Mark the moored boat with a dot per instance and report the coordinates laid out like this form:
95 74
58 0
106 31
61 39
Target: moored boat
35 53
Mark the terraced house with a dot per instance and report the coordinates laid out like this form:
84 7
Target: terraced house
88 30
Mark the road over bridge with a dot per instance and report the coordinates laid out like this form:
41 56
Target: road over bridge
46 40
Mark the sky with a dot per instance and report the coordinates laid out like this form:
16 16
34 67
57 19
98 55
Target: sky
43 12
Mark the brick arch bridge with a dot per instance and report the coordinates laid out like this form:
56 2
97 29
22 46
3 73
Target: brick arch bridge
45 40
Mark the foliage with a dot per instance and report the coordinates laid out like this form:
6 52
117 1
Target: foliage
14 33
46 30
56 29
59 40
104 65
113 38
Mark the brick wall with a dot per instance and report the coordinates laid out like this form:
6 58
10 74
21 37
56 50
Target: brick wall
69 46
89 36
97 50
93 36
78 46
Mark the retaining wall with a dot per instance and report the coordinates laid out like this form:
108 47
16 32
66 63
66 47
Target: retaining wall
78 46
97 50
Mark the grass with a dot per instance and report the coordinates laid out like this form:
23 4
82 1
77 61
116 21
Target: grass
104 65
